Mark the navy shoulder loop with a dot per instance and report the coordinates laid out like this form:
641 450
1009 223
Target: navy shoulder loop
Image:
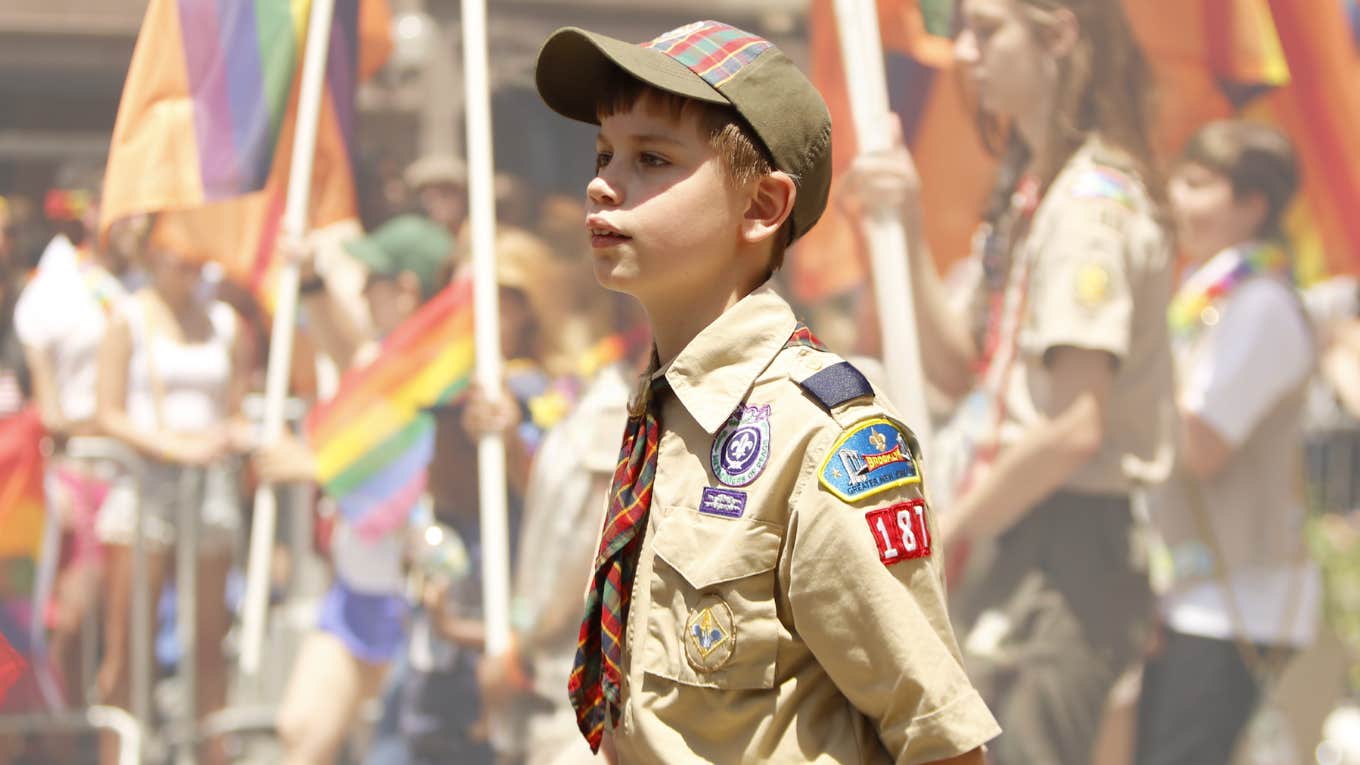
836 385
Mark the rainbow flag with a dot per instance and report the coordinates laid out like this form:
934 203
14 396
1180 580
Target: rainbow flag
936 124
205 125
23 517
375 438
23 510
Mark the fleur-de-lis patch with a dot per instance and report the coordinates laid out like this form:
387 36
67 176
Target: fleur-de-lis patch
710 635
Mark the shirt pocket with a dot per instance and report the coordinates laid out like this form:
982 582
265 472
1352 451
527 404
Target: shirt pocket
713 622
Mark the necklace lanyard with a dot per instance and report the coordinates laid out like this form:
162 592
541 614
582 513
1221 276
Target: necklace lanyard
1001 345
1195 303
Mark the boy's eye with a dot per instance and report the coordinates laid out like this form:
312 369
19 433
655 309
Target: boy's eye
601 159
653 160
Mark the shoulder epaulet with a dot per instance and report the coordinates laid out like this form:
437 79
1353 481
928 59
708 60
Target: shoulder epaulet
837 384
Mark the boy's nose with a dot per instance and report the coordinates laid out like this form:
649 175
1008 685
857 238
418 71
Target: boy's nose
603 193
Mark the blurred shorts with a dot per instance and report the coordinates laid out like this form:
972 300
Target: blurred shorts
372 626
81 488
164 489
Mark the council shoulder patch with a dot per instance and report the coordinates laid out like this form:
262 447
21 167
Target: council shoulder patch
870 457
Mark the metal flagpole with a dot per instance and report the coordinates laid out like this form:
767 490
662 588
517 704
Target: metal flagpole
294 225
866 83
486 321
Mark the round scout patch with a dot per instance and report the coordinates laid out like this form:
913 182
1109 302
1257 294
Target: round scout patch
710 635
742 446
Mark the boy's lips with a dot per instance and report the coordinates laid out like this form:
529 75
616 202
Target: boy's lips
604 234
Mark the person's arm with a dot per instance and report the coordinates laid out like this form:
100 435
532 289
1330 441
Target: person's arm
45 393
949 352
328 324
1047 455
241 432
1341 365
1260 350
115 354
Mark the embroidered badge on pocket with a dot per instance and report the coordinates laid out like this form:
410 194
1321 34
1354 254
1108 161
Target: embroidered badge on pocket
710 635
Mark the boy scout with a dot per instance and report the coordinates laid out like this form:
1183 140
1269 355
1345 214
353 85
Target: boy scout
768 587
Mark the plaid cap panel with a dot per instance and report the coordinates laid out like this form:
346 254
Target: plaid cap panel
714 51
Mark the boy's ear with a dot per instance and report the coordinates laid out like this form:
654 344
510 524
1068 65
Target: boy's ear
771 204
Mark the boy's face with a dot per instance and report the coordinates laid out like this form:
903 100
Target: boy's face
664 221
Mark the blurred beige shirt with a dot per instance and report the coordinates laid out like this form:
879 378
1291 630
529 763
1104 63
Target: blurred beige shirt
766 627
1095 273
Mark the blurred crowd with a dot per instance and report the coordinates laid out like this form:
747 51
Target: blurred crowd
120 338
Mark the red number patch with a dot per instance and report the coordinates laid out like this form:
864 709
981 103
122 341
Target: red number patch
900 531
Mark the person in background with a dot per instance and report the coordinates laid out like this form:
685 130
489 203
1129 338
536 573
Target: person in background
439 182
171 377
434 711
1241 594
1062 361
566 489
362 624
61 319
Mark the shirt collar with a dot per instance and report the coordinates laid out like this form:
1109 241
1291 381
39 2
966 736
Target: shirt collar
713 374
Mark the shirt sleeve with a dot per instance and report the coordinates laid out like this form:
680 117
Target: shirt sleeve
35 326
1260 350
1080 292
866 594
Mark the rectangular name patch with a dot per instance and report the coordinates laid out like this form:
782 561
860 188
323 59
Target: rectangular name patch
728 503
900 531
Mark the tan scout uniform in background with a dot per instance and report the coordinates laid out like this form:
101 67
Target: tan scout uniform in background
771 620
1060 610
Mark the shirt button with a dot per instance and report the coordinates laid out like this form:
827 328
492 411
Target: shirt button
812 363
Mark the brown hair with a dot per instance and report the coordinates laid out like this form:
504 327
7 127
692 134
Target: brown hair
1255 158
742 156
1103 88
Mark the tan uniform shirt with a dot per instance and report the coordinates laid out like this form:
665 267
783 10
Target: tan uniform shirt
771 620
1094 273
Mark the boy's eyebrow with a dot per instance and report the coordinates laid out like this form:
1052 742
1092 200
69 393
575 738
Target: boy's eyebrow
644 138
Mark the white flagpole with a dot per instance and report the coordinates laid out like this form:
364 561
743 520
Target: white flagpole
866 83
294 225
486 321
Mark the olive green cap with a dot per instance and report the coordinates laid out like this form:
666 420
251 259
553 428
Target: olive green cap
712 62
405 243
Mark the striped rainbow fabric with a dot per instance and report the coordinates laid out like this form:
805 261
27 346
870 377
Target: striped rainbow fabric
375 438
205 124
23 509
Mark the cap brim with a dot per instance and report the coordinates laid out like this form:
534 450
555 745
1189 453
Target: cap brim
573 63
372 256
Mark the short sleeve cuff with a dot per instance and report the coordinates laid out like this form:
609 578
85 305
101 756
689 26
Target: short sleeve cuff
956 728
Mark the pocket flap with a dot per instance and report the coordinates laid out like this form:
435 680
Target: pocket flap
708 551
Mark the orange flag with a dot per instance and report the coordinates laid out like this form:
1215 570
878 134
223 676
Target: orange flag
204 130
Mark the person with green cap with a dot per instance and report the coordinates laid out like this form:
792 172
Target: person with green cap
766 587
361 627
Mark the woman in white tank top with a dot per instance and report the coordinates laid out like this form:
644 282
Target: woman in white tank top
171 379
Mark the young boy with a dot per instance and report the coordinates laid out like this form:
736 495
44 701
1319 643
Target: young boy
766 589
